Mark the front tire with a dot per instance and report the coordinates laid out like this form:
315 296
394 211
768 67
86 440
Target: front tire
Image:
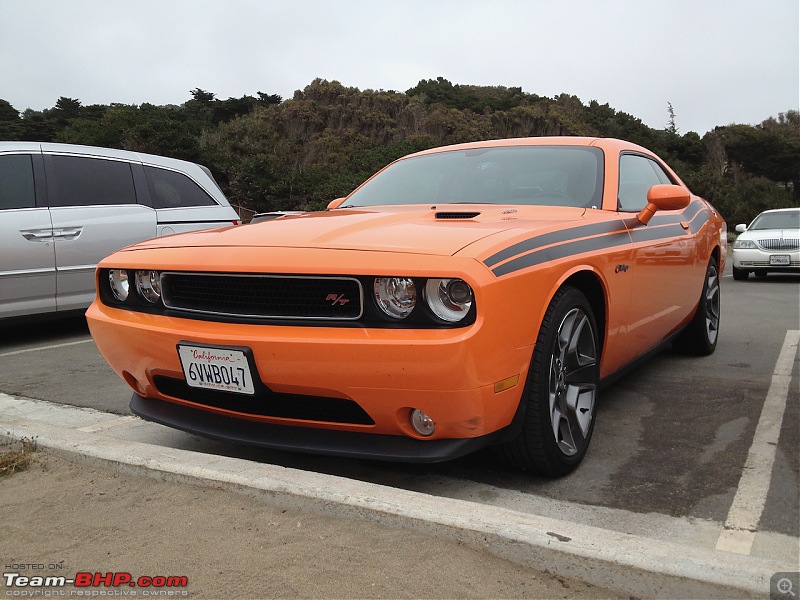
561 390
700 336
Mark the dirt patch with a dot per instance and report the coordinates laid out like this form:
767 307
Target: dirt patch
61 518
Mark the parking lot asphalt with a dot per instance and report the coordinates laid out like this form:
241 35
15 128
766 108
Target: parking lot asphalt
691 480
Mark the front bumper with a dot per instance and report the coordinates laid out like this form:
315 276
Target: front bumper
310 441
755 259
451 375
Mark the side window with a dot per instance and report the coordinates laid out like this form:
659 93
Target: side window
83 181
16 182
661 174
636 176
170 189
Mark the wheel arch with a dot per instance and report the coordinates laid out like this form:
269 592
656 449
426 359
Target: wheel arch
591 286
716 253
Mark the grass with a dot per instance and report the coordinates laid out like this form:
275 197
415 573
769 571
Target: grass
16 456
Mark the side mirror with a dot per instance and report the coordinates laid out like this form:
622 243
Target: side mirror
663 197
336 203
741 228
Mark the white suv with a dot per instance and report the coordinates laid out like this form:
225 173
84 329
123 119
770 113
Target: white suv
64 207
770 244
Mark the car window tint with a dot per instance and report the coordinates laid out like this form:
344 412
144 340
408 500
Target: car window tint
660 173
541 175
170 189
83 181
16 182
777 220
636 177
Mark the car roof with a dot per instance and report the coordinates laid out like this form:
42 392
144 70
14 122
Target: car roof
604 143
97 151
775 210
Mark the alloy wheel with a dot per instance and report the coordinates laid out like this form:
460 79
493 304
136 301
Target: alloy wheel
573 377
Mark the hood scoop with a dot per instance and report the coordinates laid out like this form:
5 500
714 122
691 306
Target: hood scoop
457 215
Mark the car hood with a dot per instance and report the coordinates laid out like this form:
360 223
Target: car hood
762 234
408 229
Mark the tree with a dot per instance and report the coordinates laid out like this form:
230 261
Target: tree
773 153
65 110
267 99
202 96
10 123
8 112
671 127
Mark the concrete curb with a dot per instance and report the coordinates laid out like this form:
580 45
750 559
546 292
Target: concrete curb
634 564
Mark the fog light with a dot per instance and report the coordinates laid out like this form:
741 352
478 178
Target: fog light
422 423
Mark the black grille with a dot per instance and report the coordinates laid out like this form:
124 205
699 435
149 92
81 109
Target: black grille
263 296
456 215
269 404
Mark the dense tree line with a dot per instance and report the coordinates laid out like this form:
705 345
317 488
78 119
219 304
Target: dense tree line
273 154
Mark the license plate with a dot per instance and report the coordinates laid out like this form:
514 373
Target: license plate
780 260
216 369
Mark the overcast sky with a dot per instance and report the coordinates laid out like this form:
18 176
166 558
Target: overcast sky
717 61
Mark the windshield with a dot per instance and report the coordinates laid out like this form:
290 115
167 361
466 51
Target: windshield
532 175
789 219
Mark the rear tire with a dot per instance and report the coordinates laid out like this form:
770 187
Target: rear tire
701 334
561 390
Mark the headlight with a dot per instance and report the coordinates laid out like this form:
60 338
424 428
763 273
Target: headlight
744 245
148 284
449 299
118 282
395 296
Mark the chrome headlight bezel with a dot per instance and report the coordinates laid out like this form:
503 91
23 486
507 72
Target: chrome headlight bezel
119 284
395 296
148 286
449 299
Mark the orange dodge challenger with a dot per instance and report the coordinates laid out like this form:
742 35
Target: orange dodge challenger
465 296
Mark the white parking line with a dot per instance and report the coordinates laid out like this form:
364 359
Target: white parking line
53 346
739 532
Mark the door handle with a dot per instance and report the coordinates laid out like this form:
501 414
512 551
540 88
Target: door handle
37 235
68 233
